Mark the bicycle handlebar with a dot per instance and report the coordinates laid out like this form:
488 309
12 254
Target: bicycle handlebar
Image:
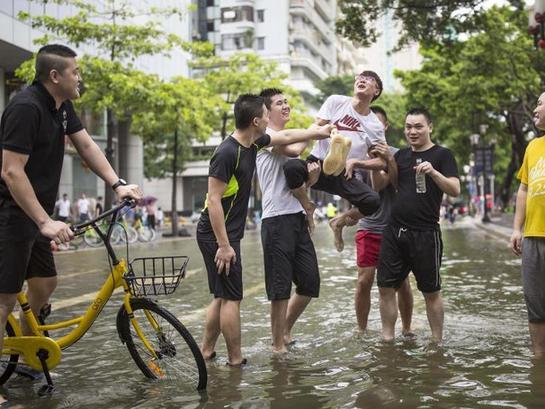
79 228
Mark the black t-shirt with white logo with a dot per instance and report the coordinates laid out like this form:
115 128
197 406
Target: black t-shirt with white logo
233 164
420 211
32 125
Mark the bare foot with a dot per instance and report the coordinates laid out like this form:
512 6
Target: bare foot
408 333
309 210
337 233
280 351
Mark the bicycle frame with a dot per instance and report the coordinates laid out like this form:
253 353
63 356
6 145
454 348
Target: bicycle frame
28 346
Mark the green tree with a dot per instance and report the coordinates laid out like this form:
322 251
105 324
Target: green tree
243 73
178 113
110 30
492 78
333 85
424 21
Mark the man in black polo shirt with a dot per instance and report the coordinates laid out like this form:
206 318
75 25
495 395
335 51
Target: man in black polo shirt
412 239
222 222
32 138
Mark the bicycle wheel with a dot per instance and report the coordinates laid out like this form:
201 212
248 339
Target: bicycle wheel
175 352
146 234
7 366
92 239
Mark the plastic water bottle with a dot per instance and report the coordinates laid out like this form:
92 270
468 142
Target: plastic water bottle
420 179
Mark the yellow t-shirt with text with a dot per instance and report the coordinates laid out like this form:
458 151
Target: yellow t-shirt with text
532 174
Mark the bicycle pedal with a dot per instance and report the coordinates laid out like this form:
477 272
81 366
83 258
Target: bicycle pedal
46 390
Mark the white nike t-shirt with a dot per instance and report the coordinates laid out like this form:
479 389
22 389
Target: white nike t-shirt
277 198
338 110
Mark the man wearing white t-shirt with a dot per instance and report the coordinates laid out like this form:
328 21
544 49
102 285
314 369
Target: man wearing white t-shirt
83 208
63 208
287 247
354 119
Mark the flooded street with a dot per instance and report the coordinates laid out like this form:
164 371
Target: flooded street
485 360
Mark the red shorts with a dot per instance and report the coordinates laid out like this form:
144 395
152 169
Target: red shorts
367 248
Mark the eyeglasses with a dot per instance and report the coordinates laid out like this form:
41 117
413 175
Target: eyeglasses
365 78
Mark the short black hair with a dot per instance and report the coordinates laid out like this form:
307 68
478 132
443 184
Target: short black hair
375 76
379 110
248 107
267 95
420 111
52 57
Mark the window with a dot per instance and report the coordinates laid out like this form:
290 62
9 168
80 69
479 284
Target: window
260 43
260 16
235 42
210 3
233 14
210 25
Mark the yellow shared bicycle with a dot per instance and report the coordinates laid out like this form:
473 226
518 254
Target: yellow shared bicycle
157 341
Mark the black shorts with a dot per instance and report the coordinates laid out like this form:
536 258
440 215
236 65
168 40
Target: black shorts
357 192
403 250
289 257
24 252
222 286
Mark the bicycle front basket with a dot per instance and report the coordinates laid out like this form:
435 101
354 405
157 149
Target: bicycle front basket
155 275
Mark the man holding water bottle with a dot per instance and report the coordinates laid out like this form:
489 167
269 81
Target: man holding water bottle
412 239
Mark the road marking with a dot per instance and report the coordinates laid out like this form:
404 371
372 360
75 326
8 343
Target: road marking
85 298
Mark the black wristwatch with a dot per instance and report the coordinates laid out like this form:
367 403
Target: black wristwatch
120 182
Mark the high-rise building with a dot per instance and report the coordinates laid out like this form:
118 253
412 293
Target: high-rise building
297 34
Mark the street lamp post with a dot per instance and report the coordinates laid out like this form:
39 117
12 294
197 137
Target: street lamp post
536 23
483 156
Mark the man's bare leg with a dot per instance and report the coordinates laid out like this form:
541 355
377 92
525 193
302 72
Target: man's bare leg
302 196
405 303
436 315
230 328
38 293
296 306
212 329
388 312
537 336
279 309
337 224
362 299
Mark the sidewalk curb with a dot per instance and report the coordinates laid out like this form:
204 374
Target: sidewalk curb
500 232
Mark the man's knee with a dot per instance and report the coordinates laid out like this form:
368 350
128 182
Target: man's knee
7 303
370 205
366 277
41 287
296 173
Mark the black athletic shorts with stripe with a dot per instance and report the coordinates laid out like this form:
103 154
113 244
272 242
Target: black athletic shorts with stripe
228 287
289 257
403 250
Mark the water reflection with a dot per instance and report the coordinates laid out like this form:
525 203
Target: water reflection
485 361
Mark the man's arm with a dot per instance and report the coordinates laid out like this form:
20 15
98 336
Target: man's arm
449 185
13 173
225 254
289 136
292 150
515 241
95 159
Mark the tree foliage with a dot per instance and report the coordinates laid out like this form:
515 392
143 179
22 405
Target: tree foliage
494 78
243 73
424 21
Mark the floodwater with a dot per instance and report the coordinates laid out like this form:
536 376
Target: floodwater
484 363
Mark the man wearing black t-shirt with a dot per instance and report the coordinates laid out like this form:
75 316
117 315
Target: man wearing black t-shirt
32 138
412 239
222 222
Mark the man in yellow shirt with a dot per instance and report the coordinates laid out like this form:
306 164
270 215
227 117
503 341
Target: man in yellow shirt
530 213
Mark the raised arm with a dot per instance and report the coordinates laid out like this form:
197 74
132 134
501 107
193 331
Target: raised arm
289 136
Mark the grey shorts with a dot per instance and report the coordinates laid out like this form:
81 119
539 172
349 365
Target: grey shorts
533 277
